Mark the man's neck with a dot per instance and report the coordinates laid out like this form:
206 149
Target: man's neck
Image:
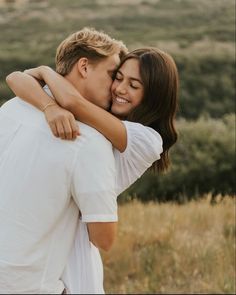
76 83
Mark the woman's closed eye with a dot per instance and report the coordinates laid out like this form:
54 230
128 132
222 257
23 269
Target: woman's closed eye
118 78
134 86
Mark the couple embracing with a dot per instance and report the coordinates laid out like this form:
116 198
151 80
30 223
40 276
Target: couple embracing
68 149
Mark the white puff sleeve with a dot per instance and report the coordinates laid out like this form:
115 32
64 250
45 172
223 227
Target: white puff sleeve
144 147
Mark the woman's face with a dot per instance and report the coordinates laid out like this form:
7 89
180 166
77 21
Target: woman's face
127 88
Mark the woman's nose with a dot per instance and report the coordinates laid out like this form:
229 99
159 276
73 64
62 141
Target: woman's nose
121 88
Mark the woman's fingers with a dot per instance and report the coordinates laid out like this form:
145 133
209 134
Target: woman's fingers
54 129
33 72
68 129
62 122
60 130
74 127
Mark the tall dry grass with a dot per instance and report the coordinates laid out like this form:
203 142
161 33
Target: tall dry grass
169 248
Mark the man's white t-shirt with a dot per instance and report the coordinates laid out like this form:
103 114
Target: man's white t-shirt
43 182
84 270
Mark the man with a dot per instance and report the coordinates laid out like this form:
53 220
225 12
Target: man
45 181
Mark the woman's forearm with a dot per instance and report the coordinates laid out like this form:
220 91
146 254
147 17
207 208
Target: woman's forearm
69 98
61 121
27 88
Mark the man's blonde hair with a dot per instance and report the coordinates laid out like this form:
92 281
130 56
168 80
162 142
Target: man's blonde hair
88 43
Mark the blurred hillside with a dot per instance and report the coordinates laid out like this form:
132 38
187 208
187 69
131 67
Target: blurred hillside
199 34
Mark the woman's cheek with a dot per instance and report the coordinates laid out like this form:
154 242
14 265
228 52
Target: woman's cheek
113 85
138 97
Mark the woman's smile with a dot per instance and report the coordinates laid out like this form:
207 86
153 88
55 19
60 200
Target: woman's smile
120 100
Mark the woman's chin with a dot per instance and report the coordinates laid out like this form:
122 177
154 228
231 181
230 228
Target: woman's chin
118 111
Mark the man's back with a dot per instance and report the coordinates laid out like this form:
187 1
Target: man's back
38 217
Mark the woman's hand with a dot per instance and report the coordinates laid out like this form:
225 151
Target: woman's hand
37 73
34 72
51 78
61 122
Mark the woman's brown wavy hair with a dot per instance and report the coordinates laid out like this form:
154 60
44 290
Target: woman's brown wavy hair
159 105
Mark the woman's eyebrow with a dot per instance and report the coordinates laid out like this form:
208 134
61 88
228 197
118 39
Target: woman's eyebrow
131 78
119 71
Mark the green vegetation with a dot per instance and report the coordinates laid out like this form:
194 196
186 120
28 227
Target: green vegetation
203 161
199 34
201 37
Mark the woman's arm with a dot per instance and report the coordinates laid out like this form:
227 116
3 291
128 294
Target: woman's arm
69 98
29 89
61 122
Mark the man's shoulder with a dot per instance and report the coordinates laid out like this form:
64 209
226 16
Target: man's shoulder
93 149
16 104
9 103
25 114
90 131
92 138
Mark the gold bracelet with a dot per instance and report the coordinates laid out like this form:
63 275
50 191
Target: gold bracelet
48 105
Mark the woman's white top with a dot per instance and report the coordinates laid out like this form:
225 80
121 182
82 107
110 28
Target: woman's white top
144 146
84 270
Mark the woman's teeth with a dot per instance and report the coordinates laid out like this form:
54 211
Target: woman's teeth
121 100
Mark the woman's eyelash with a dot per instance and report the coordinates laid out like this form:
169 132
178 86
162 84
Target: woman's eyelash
120 78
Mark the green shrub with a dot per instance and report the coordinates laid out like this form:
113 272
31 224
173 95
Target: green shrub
199 34
203 160
206 85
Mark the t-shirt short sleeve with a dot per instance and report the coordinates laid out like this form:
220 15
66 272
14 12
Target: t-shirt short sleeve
93 181
144 147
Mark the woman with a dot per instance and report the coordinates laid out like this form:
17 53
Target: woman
144 94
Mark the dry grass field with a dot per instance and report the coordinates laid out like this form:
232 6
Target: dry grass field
169 248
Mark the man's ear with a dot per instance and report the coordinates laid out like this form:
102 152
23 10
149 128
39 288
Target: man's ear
82 67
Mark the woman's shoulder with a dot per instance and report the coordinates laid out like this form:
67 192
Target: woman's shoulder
144 147
141 134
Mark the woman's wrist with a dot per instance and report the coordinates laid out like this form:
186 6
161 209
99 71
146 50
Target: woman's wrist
71 98
72 103
49 104
44 71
